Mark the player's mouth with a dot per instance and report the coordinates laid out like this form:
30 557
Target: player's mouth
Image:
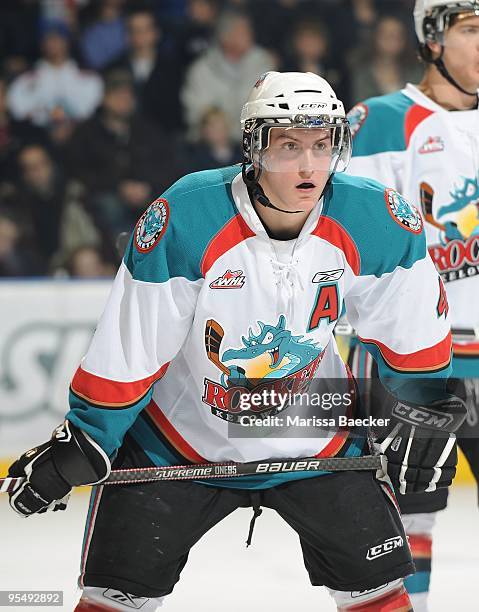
274 356
306 187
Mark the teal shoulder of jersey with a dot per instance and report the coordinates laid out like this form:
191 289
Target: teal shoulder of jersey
378 124
373 217
185 218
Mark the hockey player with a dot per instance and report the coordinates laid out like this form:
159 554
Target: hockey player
275 247
424 142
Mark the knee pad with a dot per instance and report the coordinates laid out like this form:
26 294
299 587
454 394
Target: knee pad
102 599
385 598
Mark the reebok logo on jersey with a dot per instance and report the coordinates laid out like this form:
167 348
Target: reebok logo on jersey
385 548
434 144
229 280
330 275
129 601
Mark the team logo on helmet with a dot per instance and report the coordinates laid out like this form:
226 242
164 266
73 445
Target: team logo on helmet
356 117
402 212
151 225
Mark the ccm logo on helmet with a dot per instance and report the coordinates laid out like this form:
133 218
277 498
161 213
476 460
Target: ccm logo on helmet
430 418
385 548
312 105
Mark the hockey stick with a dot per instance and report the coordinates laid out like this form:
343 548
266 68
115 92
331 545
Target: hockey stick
426 196
213 337
228 470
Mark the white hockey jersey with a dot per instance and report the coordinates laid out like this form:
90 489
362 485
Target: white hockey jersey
431 156
202 301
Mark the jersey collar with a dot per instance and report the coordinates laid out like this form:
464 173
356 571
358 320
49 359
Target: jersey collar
249 214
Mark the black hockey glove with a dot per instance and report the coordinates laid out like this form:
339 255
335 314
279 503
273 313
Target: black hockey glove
420 446
69 459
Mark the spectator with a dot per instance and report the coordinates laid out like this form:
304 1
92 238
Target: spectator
104 39
224 74
56 85
89 262
53 206
18 35
121 158
13 136
215 147
386 64
310 52
155 75
196 32
16 259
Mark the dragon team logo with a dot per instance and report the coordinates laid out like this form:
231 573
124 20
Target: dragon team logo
152 225
356 117
457 254
402 212
273 359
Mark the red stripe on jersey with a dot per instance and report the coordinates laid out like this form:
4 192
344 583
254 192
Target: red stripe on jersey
461 350
333 232
173 436
433 358
234 232
112 393
420 545
414 116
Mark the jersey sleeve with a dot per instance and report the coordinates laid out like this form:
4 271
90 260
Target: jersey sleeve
144 325
377 126
398 307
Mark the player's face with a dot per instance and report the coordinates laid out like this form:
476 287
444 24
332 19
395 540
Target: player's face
461 52
296 166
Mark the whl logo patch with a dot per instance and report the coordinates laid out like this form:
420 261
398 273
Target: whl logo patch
434 144
385 548
229 280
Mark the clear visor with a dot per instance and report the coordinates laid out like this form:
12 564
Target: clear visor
465 24
303 149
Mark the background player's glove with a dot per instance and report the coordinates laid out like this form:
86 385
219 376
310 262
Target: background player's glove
420 445
69 459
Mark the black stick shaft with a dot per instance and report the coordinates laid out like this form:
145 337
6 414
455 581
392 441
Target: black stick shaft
228 470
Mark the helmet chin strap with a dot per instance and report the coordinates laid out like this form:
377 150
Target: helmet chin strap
439 63
257 193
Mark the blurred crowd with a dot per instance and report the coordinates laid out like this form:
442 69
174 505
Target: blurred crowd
105 103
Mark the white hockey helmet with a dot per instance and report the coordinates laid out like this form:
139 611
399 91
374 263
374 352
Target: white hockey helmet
432 17
300 100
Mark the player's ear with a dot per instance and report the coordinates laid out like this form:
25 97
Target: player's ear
435 49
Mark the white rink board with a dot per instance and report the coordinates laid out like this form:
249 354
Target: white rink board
45 329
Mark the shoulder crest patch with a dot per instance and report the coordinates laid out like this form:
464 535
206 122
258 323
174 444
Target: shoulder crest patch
356 117
402 212
152 225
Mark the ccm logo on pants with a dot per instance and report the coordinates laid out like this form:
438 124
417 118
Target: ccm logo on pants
385 548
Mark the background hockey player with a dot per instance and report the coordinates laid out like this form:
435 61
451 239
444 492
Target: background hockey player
294 240
424 142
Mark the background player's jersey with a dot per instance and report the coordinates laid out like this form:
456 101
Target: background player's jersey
202 304
431 156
